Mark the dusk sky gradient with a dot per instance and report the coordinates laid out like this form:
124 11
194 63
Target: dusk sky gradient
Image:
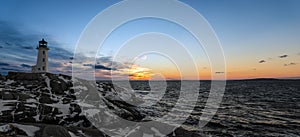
260 38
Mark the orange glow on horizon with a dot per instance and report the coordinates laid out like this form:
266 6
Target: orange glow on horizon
139 73
136 72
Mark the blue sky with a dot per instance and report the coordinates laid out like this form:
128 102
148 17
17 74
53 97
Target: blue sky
249 31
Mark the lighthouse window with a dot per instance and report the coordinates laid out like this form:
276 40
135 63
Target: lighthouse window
43 52
39 68
43 59
43 68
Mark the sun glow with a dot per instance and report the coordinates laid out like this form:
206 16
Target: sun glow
139 73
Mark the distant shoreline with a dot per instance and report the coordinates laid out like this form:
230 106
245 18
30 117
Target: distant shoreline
256 79
175 80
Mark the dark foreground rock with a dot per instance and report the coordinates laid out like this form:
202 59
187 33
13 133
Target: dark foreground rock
50 99
55 131
2 77
54 105
44 130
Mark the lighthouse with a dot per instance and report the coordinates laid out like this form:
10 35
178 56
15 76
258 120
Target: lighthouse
42 58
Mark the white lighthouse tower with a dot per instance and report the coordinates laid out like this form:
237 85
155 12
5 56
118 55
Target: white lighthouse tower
42 58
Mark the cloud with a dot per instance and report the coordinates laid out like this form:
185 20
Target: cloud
141 58
219 72
290 64
12 38
10 69
14 67
283 56
104 67
13 41
19 51
1 47
56 52
25 66
98 66
27 47
88 65
18 48
4 64
262 61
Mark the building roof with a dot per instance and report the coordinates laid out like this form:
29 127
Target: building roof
43 42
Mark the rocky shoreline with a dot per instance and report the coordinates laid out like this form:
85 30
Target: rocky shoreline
44 105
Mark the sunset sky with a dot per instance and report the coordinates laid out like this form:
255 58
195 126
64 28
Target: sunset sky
260 38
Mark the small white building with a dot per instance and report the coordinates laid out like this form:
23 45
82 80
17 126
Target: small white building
42 58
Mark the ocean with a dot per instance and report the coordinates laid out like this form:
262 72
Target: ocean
263 107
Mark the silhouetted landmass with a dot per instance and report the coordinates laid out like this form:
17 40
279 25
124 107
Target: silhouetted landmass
268 79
